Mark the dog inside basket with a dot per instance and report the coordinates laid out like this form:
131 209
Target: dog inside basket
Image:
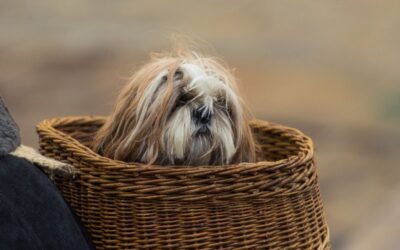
273 203
273 145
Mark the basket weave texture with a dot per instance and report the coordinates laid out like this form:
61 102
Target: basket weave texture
272 204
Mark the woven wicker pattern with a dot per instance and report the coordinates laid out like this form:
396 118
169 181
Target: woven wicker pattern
272 204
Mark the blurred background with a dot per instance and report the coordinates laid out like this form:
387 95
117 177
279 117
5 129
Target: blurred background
329 68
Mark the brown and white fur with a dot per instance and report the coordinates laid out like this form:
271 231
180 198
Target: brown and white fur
179 109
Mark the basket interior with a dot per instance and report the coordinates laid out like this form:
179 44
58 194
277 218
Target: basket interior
274 143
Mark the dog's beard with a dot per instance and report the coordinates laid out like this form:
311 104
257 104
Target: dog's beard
185 142
188 114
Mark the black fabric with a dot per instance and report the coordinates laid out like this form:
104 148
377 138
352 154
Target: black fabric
33 215
9 132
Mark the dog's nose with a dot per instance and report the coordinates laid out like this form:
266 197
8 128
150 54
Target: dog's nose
202 115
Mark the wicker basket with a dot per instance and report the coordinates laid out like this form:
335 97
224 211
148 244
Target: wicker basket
272 204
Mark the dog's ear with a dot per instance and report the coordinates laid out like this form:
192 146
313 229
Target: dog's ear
118 137
132 132
111 135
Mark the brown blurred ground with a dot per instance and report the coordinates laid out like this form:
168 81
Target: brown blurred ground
330 68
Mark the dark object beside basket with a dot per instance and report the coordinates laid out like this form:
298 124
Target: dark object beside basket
272 204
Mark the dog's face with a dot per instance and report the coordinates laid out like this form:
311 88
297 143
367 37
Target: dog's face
201 118
184 112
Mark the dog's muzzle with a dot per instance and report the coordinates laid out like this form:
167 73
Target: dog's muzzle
202 116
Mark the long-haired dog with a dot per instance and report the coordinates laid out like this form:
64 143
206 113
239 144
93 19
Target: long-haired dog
179 109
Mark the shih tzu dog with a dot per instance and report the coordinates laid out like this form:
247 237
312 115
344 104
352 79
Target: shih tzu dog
179 109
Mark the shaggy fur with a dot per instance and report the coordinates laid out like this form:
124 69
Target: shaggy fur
179 109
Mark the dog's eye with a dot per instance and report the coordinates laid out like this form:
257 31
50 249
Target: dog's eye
183 99
221 101
228 111
164 79
178 75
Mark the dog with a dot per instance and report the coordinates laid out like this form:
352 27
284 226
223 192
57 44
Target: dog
181 108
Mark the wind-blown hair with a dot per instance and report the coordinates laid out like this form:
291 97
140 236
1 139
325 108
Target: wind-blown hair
180 108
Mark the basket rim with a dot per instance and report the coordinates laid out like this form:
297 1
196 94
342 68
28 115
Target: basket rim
294 174
50 126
